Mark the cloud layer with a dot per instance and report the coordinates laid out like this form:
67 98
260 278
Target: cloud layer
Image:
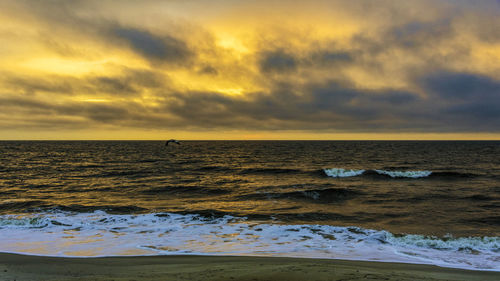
399 67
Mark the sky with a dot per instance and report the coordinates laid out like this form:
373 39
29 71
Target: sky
224 69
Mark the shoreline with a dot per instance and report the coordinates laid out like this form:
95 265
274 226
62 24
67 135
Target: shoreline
196 267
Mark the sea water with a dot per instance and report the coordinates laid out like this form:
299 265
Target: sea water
406 201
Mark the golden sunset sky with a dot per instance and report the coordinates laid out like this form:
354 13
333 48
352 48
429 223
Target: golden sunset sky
217 69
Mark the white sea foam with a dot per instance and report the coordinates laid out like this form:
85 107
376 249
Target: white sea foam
405 174
342 173
102 234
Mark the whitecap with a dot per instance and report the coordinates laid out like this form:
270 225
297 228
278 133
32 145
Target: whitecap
405 174
342 173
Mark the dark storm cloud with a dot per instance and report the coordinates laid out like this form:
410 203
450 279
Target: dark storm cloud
455 102
416 40
462 86
417 33
209 70
419 40
165 48
132 82
144 42
129 82
103 113
113 85
32 85
467 98
79 20
277 61
316 106
12 103
328 57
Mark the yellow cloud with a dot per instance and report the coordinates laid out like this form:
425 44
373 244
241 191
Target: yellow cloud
56 65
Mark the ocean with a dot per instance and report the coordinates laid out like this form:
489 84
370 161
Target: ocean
431 202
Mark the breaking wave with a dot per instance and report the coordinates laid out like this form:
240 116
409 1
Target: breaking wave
405 174
104 234
327 195
343 173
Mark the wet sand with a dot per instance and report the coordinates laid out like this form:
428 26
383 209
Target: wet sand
22 267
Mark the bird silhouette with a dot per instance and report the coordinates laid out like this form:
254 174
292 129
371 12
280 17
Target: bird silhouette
172 140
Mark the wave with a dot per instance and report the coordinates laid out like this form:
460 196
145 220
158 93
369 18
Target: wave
214 168
37 206
105 234
453 175
479 197
21 205
271 171
112 209
328 195
404 174
188 190
488 220
344 173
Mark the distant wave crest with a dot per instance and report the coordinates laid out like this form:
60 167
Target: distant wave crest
342 173
405 174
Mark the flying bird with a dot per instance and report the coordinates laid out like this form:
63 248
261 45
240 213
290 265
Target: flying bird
172 140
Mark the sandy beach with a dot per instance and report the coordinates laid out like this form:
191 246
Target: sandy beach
23 267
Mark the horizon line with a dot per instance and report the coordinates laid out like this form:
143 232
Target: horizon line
162 140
